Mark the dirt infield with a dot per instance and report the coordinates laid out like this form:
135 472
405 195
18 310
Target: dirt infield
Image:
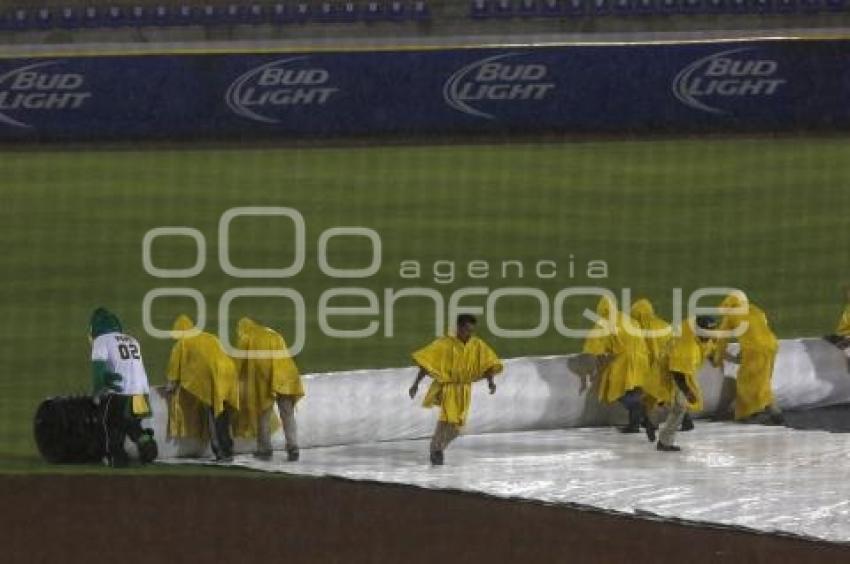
221 519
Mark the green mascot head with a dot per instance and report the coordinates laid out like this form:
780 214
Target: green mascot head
102 322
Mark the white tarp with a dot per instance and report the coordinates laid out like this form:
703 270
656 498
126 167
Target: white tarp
770 479
539 393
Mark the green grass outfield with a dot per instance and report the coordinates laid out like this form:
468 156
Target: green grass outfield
770 216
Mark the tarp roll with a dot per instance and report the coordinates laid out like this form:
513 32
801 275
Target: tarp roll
534 393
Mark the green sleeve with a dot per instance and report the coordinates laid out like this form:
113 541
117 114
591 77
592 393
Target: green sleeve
102 379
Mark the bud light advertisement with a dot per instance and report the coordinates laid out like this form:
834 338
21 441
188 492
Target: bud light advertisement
743 85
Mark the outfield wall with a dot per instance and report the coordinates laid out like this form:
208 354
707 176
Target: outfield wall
641 86
533 393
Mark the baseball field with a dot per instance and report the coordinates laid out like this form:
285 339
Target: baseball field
766 215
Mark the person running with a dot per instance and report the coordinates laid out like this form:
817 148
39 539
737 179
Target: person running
454 362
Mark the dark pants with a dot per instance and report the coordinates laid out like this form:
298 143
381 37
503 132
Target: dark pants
444 434
221 440
631 400
118 424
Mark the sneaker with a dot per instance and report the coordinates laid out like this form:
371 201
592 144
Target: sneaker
293 454
225 457
264 455
774 421
147 447
760 418
667 448
437 458
687 424
776 418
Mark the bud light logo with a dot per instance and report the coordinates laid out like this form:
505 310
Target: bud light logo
263 92
711 82
39 87
491 82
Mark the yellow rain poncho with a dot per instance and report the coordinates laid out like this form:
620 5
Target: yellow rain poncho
686 355
454 366
758 353
206 378
644 314
628 366
843 328
262 380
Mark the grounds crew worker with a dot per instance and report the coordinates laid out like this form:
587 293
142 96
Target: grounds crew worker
272 378
622 364
654 392
841 337
754 402
120 386
685 356
454 362
843 328
202 387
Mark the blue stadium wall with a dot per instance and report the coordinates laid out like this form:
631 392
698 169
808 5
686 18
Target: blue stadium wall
759 85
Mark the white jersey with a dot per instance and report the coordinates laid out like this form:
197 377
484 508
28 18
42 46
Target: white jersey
122 355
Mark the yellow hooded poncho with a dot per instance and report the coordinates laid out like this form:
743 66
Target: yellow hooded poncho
202 369
686 355
843 328
629 366
454 366
758 353
263 379
644 314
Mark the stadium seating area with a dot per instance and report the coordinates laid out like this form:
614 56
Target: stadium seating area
230 15
170 15
97 15
506 9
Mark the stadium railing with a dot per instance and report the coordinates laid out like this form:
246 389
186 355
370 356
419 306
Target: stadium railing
508 9
152 14
278 13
